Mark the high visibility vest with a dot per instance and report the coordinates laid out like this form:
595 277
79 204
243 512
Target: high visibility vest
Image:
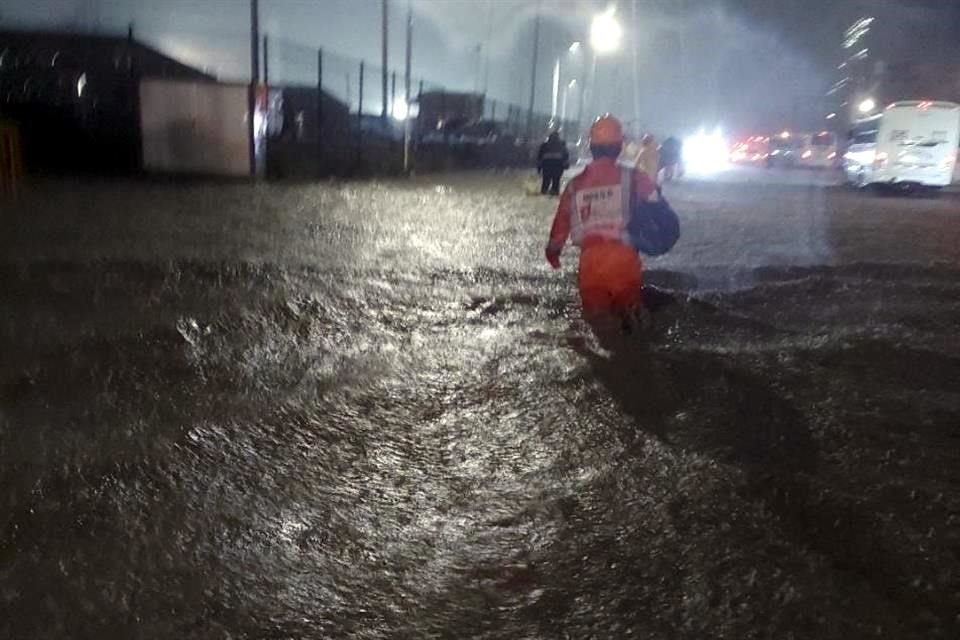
601 211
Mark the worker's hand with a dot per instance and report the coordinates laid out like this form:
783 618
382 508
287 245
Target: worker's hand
553 257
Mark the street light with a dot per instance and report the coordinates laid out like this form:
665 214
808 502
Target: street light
572 51
566 93
867 106
605 33
605 36
401 109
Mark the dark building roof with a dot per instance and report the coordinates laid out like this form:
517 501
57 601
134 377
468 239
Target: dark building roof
92 54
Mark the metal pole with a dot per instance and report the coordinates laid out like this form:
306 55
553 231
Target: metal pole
254 41
486 51
360 117
556 89
254 80
320 104
563 105
266 60
383 56
636 70
533 73
393 92
406 88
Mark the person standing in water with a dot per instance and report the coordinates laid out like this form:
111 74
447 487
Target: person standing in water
552 160
593 214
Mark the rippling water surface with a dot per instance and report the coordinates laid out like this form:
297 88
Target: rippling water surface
369 411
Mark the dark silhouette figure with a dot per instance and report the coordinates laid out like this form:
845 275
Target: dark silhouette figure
552 160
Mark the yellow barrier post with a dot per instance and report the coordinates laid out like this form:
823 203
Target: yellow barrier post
11 161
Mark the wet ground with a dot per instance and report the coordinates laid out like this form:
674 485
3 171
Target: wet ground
371 410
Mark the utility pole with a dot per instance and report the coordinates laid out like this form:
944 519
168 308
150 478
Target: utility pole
266 60
407 81
554 105
636 68
383 56
533 73
254 81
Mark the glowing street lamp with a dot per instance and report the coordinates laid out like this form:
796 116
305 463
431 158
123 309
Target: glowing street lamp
867 106
566 93
401 110
605 33
572 51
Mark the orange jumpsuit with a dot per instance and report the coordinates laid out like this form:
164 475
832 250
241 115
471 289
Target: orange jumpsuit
593 213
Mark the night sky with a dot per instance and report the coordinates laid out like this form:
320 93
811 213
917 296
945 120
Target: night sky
739 64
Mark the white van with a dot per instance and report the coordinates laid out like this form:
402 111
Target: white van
910 144
819 151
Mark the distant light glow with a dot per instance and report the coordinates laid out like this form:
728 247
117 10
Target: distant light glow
705 153
866 106
831 116
785 135
806 154
575 47
400 109
81 84
605 33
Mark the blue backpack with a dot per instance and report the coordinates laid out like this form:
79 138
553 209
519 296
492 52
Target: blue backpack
654 227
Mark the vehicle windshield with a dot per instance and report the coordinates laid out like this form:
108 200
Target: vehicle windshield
865 133
479 319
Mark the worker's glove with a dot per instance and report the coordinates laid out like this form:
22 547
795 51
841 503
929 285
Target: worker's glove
553 257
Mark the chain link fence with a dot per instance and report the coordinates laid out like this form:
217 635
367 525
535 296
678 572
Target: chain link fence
332 108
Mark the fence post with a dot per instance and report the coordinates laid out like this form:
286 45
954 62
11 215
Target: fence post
320 108
266 60
393 91
360 117
254 79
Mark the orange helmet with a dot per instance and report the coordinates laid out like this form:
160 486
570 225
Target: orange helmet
606 130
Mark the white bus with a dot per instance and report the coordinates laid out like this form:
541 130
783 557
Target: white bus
910 144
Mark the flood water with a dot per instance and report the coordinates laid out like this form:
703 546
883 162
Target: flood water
372 411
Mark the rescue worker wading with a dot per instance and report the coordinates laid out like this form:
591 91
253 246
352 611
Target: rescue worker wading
552 160
593 213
